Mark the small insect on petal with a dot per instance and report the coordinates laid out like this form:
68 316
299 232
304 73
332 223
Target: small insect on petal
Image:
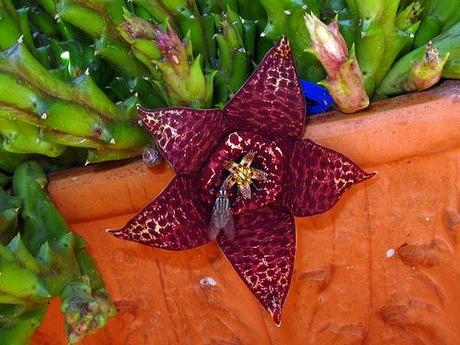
221 217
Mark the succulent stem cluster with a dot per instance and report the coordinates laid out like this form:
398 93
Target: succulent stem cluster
42 261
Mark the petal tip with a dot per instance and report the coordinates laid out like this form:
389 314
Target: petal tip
139 108
373 174
276 314
144 115
283 47
115 232
266 239
284 40
368 175
143 112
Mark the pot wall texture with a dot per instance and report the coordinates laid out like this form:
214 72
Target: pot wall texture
382 267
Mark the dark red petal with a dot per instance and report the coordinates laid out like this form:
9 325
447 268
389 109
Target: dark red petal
268 158
271 101
316 177
185 137
262 254
175 220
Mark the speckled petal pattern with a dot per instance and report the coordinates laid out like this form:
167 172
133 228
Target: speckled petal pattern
175 220
268 157
262 254
185 137
271 102
316 177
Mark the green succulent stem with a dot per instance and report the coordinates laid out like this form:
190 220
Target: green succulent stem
48 249
233 56
42 114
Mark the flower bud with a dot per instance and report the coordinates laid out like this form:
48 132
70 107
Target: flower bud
173 49
344 80
164 51
427 70
185 82
328 44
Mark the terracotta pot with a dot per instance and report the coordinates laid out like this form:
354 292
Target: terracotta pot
382 267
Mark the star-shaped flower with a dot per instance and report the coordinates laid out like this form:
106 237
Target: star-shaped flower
244 170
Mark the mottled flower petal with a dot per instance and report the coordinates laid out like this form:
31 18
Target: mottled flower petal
185 137
175 220
262 254
271 101
268 157
316 177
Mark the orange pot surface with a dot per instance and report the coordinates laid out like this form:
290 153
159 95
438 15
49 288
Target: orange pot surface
382 267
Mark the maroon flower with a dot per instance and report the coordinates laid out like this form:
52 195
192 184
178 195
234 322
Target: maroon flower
244 170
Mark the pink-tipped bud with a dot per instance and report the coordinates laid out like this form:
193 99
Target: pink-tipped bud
162 49
426 71
328 44
173 49
344 80
183 76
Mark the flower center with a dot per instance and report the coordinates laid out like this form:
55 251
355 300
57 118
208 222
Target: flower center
242 174
250 169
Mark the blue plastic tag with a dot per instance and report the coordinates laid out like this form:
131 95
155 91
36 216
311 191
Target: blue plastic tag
318 98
